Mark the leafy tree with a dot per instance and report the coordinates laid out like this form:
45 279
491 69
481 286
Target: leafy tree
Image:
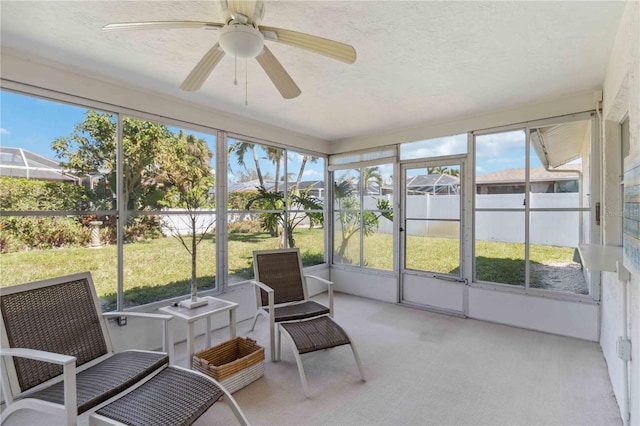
352 219
271 200
91 148
160 168
185 172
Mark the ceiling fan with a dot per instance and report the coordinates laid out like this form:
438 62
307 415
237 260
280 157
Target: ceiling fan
242 36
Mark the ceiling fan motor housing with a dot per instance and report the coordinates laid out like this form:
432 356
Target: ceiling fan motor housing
241 41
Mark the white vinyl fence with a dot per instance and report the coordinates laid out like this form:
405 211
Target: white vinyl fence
548 228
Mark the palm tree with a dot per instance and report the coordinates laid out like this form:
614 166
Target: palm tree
440 170
305 158
275 156
372 175
453 172
240 148
272 200
352 219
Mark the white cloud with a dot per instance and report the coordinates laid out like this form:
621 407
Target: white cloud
4 131
500 144
312 173
437 147
294 156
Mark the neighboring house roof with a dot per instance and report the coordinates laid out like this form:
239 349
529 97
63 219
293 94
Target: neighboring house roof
438 179
536 174
437 182
20 163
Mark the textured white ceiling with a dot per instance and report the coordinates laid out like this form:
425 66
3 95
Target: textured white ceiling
418 61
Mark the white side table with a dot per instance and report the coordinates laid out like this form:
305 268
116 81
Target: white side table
215 306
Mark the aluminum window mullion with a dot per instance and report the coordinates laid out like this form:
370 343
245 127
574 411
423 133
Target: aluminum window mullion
328 216
222 199
486 209
122 213
285 212
580 116
361 212
58 212
527 208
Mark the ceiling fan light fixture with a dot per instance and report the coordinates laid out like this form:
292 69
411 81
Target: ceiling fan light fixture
241 41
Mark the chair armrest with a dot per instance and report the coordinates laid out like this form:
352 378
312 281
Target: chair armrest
68 372
164 317
329 285
270 296
45 356
167 331
262 286
322 280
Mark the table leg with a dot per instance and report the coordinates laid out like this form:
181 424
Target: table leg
190 344
232 323
207 332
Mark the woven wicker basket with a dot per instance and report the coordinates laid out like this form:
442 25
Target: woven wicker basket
234 363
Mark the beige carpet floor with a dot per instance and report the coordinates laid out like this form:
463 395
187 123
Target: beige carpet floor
424 368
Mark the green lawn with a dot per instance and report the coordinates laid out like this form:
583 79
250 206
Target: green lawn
153 270
161 268
495 261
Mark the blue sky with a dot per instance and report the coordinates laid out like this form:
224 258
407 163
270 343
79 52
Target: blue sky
33 124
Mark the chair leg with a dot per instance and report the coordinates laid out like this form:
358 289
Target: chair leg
278 342
255 321
357 357
272 336
296 354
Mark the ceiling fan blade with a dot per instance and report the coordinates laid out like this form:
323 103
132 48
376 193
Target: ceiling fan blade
201 72
156 25
278 75
330 48
245 11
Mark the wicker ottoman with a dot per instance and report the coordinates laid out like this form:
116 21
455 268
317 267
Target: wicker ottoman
312 335
175 396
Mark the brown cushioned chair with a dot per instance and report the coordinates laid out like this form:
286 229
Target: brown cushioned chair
57 357
281 290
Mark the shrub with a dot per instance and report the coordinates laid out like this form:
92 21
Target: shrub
27 194
245 226
142 228
9 243
237 200
42 232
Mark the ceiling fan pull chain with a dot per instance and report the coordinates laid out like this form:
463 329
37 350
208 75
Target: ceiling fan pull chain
246 83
